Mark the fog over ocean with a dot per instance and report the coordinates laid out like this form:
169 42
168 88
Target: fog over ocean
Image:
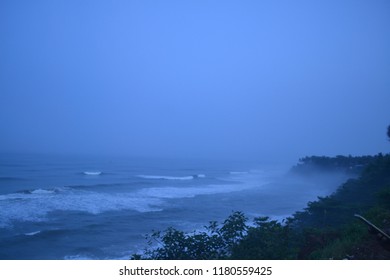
102 208
148 88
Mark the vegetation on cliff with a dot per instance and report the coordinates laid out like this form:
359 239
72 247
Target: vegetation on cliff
325 229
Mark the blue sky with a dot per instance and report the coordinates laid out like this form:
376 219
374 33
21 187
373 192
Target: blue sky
244 79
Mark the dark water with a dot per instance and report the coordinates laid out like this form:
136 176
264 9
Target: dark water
101 208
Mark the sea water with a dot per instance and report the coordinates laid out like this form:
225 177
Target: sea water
63 207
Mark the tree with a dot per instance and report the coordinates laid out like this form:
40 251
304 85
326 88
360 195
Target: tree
216 242
266 240
388 132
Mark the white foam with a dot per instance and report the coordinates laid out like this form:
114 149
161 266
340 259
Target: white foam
32 233
35 206
186 192
158 177
42 191
92 173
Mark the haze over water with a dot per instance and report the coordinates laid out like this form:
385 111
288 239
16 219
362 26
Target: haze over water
102 208
152 113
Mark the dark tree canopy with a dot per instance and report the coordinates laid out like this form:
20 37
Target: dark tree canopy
388 132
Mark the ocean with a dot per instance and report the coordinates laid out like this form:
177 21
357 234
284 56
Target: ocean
69 207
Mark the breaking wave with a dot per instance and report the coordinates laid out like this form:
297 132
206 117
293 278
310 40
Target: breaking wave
92 173
32 233
187 192
33 206
42 191
158 177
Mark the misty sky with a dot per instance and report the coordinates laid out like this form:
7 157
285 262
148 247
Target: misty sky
258 79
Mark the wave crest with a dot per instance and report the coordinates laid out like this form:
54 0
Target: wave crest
160 177
33 206
92 173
